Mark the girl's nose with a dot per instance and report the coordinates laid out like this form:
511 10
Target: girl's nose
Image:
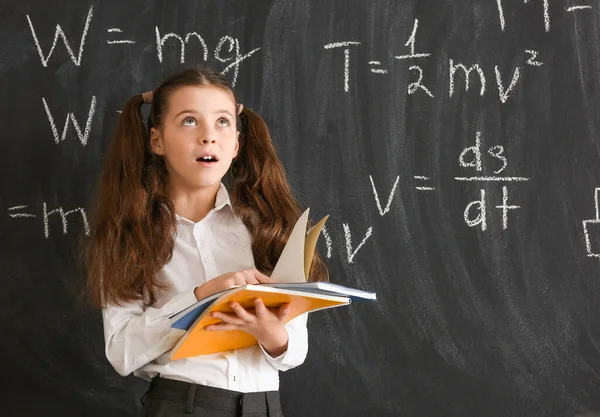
206 135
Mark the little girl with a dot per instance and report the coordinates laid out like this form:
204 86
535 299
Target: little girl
167 231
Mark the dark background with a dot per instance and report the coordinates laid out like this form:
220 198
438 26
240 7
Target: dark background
468 322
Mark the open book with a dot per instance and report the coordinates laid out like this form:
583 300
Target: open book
291 274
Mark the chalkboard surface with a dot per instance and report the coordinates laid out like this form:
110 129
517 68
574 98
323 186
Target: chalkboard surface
454 144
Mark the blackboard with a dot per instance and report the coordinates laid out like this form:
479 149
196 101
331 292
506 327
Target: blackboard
454 145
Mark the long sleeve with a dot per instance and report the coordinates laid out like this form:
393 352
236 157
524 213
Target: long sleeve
297 345
133 337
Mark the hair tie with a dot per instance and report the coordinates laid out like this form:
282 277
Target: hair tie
148 96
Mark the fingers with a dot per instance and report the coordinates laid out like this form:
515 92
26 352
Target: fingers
238 278
247 277
239 317
227 318
243 277
221 327
250 276
253 319
242 316
260 308
283 311
262 278
241 312
280 312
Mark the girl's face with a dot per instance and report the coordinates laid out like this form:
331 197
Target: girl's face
198 137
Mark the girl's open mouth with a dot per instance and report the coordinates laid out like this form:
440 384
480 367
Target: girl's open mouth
207 159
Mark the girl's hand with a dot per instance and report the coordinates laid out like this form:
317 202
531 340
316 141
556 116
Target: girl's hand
230 279
266 325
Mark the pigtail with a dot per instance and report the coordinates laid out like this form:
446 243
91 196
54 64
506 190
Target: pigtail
130 213
263 198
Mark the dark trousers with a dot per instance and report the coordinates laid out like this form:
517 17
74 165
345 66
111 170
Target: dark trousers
170 398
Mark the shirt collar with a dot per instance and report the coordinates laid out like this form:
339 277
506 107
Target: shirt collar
222 198
221 201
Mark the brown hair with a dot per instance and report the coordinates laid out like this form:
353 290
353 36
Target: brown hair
132 219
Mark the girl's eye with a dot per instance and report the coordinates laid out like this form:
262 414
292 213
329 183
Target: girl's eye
223 120
189 121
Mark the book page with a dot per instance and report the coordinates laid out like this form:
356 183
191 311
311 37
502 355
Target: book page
290 265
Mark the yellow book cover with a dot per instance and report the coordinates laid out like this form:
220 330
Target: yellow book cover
198 341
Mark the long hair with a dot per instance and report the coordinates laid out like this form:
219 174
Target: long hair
133 220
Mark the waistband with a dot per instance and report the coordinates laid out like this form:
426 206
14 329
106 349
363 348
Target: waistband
266 402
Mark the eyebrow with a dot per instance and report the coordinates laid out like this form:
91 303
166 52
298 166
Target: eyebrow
195 112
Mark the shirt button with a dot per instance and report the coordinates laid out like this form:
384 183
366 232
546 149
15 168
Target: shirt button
207 259
141 359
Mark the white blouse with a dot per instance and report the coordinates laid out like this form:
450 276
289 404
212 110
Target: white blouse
138 338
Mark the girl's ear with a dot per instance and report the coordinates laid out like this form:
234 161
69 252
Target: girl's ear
156 143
